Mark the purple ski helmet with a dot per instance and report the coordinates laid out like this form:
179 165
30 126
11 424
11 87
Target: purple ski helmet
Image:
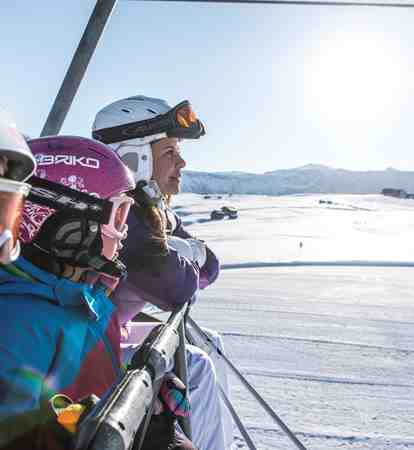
82 164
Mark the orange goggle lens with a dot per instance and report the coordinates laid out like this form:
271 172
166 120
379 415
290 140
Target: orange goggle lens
186 116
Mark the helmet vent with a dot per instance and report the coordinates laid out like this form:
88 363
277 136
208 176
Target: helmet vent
152 111
131 160
128 111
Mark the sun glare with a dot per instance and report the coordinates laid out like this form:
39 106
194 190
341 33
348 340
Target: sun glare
355 79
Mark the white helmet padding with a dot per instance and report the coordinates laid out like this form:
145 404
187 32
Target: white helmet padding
135 153
21 163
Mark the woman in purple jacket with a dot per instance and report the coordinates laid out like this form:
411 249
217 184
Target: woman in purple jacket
166 265
158 273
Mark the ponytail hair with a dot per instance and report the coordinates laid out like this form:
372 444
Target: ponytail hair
155 247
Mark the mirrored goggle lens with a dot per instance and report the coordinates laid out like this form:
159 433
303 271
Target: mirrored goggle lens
186 117
119 215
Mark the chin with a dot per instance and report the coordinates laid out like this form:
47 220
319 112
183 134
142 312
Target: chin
172 189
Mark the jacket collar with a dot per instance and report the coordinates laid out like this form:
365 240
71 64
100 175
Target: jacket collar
60 291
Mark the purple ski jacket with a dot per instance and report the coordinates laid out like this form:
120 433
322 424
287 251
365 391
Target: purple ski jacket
174 284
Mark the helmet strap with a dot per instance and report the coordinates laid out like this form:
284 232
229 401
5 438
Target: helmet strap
148 194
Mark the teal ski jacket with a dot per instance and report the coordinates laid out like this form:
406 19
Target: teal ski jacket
56 336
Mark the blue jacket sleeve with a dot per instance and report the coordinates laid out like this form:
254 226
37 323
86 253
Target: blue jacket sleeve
210 271
26 353
25 357
166 283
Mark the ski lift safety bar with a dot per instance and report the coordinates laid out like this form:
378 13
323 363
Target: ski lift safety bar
96 25
125 412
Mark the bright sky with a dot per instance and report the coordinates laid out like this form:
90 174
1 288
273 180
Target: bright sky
277 86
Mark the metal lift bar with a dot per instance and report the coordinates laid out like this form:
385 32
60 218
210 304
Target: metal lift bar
78 66
237 420
251 389
227 402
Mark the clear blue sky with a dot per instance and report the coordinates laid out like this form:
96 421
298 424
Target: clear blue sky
277 86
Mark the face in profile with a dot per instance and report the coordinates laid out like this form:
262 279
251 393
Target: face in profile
167 165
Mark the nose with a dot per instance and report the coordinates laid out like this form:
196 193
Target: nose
180 162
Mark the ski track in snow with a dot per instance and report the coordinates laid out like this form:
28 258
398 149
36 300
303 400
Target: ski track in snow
259 265
352 437
318 378
318 341
319 316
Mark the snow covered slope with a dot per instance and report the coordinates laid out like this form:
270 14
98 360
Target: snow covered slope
310 178
331 348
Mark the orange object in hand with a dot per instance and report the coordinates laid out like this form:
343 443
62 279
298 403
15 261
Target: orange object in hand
69 416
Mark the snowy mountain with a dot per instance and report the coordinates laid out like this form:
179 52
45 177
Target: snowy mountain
311 178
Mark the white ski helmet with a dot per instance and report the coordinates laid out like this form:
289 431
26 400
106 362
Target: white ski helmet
21 163
131 124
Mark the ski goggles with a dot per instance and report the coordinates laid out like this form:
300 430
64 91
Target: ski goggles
116 228
59 197
180 122
111 213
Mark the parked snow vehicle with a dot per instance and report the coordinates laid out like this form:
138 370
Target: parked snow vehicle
230 211
217 214
225 211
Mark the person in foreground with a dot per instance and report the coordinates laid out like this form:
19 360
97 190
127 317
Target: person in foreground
59 330
166 264
16 165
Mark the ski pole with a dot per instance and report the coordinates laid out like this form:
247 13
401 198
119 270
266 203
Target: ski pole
251 389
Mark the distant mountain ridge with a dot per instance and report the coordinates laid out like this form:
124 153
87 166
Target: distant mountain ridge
310 178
